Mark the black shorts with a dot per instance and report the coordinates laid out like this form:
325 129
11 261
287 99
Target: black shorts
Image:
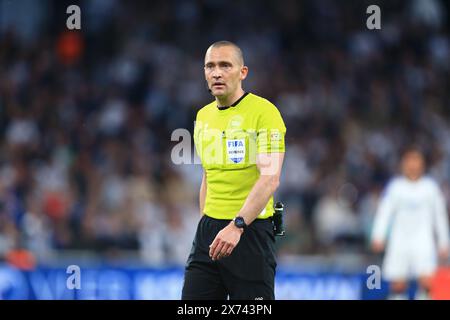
248 273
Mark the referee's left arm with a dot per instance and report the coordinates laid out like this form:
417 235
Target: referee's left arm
269 166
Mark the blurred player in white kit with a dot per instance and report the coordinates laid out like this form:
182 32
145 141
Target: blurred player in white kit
411 223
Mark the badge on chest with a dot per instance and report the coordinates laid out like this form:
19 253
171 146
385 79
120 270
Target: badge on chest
236 150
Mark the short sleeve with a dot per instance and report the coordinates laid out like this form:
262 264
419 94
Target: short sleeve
271 131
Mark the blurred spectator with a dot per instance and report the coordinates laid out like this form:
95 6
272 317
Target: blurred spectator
335 221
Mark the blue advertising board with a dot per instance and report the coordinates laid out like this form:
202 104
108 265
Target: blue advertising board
107 283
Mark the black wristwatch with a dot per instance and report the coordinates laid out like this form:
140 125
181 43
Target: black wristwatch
240 223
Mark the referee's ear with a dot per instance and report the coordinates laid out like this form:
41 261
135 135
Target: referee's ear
244 72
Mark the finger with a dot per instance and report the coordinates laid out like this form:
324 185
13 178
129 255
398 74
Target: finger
229 250
218 250
213 246
223 251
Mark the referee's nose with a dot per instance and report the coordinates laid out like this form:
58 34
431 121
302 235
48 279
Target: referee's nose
216 74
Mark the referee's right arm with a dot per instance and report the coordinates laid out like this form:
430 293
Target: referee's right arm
202 194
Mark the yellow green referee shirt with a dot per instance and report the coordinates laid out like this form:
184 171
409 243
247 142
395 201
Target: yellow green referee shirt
227 142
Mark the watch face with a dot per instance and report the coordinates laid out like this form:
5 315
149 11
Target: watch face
239 222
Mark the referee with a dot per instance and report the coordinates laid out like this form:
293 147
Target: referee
239 138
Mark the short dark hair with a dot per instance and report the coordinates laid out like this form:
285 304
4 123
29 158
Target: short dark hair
225 43
412 148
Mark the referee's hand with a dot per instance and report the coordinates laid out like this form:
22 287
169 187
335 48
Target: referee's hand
225 242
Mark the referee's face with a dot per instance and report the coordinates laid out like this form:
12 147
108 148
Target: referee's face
224 72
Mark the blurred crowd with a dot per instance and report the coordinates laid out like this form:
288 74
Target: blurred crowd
86 117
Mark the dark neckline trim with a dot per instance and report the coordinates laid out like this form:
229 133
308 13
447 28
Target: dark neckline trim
234 104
